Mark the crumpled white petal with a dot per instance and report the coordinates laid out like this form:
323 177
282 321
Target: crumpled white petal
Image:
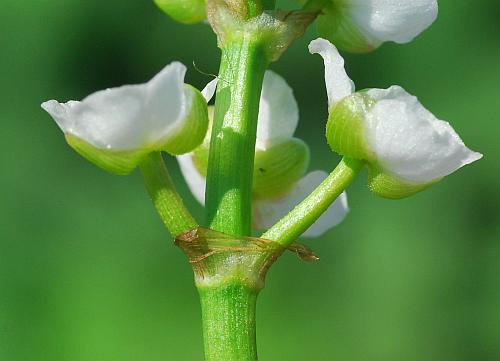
278 111
391 20
196 182
338 84
268 212
128 117
409 141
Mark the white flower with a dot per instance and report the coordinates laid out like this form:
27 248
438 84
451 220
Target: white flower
282 157
363 25
405 144
116 127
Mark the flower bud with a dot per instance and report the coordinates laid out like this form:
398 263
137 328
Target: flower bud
405 146
184 11
116 128
361 26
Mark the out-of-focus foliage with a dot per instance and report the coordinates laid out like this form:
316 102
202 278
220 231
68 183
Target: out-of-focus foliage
87 272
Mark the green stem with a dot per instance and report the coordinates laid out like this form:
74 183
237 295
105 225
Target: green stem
228 314
167 201
232 146
290 227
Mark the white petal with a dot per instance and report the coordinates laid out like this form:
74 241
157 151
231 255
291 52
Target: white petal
127 117
392 20
194 179
167 103
268 212
278 111
409 141
59 112
209 89
338 84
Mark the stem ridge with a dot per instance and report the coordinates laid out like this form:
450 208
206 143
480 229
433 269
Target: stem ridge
232 145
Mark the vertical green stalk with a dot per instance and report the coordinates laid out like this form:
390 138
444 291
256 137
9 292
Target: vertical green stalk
228 301
228 314
232 146
167 201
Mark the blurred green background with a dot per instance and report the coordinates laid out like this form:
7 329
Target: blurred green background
88 273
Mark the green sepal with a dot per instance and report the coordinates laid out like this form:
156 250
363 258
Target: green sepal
345 127
276 169
279 167
184 11
200 158
390 186
195 125
337 27
116 162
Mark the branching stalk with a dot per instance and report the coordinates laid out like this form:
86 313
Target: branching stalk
290 227
167 201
